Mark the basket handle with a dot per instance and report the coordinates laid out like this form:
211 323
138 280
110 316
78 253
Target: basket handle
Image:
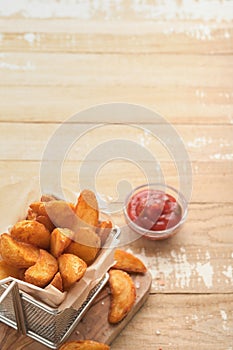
17 303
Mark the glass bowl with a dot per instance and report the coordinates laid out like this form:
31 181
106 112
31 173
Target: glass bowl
167 194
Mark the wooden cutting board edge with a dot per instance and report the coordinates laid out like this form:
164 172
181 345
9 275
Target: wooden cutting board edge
95 325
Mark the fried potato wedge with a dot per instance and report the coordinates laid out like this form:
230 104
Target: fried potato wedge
60 240
123 295
45 220
103 230
128 262
72 269
38 208
31 215
62 215
84 345
7 270
37 211
43 271
86 245
87 208
18 254
57 282
31 232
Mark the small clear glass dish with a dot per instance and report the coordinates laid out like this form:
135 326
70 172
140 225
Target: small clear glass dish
168 194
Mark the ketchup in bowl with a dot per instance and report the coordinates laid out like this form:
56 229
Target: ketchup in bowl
154 210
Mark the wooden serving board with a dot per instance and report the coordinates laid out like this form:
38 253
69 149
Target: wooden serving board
94 324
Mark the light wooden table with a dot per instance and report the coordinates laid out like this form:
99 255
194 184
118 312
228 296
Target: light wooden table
59 57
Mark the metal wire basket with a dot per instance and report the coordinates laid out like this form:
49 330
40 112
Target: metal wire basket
39 321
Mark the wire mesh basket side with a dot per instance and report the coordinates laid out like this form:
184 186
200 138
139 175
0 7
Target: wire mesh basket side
7 311
50 326
46 325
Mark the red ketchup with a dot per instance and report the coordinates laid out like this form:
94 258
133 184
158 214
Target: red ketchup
154 210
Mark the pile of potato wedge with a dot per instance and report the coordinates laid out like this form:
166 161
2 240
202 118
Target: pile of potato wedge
55 243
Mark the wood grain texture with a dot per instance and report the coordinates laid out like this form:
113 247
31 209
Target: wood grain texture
211 182
189 262
174 57
121 11
98 70
110 37
181 322
184 322
203 143
185 104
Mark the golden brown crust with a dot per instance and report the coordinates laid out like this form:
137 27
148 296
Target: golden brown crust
18 254
7 270
86 245
84 345
37 211
38 208
31 215
103 230
128 262
57 282
45 220
87 208
72 269
123 295
31 232
43 271
60 240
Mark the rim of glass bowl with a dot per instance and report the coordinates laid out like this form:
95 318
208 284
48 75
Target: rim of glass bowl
180 198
